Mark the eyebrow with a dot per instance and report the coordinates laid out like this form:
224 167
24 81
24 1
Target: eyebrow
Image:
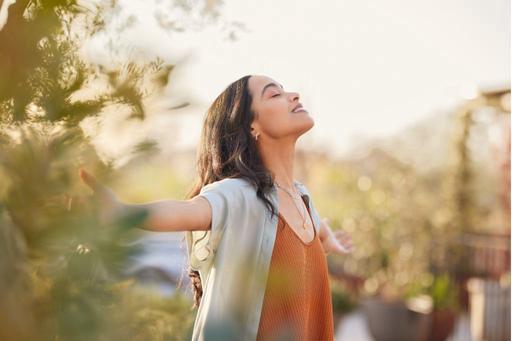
269 85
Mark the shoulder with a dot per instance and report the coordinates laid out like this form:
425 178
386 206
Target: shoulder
302 188
229 186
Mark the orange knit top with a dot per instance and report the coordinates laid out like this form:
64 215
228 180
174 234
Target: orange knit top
297 303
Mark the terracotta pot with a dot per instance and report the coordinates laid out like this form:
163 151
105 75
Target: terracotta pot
443 323
394 321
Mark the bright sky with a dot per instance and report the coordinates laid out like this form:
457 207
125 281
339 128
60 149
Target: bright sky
362 68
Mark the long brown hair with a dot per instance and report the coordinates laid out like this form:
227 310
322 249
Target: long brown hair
228 150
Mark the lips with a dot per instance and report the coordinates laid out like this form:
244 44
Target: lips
298 107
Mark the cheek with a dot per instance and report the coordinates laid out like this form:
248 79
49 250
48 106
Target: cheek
274 117
277 110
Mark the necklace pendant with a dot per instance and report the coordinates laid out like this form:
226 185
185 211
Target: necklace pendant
304 225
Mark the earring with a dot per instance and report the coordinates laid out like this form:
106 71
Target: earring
256 136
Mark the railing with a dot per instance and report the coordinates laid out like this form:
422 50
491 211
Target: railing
488 267
489 309
487 254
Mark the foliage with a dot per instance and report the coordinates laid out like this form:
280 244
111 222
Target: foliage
405 222
62 271
373 200
444 293
43 72
342 301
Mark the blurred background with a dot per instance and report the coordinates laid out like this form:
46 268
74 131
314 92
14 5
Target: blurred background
410 154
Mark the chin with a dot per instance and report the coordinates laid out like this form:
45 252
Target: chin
307 126
311 123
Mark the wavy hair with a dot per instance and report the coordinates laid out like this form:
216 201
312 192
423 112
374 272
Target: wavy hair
228 150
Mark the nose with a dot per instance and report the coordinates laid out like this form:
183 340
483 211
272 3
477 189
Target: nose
294 96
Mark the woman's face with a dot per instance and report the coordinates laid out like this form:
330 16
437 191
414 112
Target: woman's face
278 114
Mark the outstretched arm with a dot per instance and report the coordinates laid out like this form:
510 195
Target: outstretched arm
163 215
338 242
175 215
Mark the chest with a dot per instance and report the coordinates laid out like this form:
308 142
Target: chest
296 213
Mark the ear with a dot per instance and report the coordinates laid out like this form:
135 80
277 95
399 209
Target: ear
254 130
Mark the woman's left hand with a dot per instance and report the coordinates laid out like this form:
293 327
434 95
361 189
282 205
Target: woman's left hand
338 242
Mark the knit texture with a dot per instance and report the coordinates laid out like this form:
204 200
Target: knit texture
297 303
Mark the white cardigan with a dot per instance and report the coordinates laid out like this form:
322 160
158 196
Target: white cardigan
233 258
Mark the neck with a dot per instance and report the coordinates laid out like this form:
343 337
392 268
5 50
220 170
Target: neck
278 157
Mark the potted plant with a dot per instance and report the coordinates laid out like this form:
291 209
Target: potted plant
394 308
444 294
395 313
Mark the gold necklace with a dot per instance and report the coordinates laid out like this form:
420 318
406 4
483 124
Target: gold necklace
302 214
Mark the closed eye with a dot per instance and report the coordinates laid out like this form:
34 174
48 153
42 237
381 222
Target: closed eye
275 95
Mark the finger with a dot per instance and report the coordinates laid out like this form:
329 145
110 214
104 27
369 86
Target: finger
349 246
343 249
346 246
344 238
88 179
345 241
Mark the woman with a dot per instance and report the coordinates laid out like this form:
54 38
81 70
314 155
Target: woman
256 243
